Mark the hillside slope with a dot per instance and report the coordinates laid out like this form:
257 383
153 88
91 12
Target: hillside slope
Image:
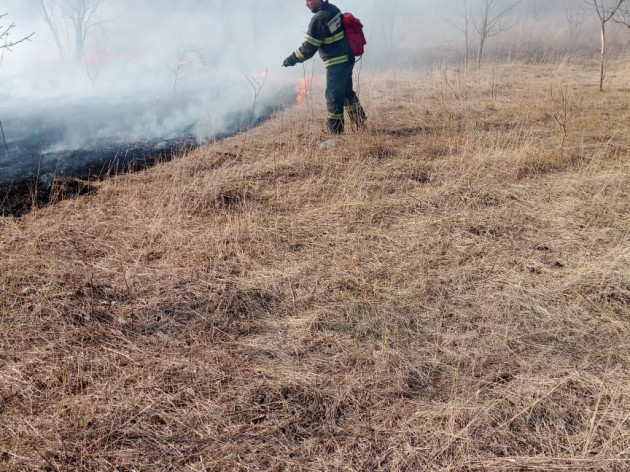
448 290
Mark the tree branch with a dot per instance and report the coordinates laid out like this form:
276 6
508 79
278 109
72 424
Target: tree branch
623 16
606 14
4 36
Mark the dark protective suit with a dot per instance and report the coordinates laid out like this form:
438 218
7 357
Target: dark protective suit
326 35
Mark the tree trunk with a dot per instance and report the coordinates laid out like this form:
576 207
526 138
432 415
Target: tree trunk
47 15
484 30
78 40
482 42
602 65
466 35
467 51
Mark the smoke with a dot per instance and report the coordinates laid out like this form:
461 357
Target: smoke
147 49
139 46
160 69
149 71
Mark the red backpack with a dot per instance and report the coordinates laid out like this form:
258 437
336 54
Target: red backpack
354 33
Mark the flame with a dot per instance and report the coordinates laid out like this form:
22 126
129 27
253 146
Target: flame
302 90
190 61
95 57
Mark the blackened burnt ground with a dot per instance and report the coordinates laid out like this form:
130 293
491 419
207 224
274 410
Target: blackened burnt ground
59 152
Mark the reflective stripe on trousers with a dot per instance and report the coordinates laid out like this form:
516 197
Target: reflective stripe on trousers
336 60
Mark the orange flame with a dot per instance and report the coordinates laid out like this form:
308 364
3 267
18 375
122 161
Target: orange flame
95 57
190 61
302 90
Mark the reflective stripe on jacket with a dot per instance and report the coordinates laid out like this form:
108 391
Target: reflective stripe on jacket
326 35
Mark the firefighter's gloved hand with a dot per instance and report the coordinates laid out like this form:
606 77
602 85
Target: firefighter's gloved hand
288 62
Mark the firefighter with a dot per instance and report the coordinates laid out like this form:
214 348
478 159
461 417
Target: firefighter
326 35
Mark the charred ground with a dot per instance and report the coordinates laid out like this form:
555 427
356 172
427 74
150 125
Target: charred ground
447 290
57 151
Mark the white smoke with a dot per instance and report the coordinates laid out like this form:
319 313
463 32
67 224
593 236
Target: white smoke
158 68
150 70
134 46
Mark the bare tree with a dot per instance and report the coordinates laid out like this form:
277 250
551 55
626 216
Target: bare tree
489 23
606 10
388 27
575 21
5 33
5 45
70 22
185 59
561 110
49 14
623 15
464 28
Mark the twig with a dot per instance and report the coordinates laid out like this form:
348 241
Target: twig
5 36
120 354
562 114
97 442
533 405
3 138
182 62
257 87
43 456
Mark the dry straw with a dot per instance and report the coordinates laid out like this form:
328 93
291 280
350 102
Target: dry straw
448 290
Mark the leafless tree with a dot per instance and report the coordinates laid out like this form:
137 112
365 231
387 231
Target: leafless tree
575 21
49 14
185 59
5 33
70 22
464 27
387 29
561 110
489 23
257 86
606 10
5 45
623 14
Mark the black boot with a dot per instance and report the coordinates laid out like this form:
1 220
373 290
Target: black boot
335 125
357 115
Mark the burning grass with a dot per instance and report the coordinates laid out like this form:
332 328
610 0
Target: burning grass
448 290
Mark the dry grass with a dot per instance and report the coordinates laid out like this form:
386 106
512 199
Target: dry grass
449 290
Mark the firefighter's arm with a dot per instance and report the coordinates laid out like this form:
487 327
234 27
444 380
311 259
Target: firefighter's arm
314 39
303 53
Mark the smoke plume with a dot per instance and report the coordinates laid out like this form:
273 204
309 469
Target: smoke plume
166 72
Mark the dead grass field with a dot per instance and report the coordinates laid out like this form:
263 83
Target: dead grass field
446 291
